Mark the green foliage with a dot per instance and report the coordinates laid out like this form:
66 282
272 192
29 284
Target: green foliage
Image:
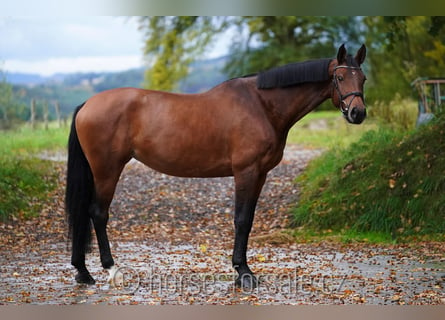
10 109
172 44
400 50
24 184
272 41
26 181
398 114
388 182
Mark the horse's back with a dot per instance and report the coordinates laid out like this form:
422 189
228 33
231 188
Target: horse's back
192 135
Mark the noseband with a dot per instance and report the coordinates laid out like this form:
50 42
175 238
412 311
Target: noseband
342 97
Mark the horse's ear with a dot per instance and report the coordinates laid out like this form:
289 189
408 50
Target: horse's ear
361 54
341 54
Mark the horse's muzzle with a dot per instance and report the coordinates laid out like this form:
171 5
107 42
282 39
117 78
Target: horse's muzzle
355 115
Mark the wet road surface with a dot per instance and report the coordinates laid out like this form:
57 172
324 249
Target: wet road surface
172 240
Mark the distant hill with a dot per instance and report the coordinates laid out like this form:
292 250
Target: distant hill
203 75
24 78
70 90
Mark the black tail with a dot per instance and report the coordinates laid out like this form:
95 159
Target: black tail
79 194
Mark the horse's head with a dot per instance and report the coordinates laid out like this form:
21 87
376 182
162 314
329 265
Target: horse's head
348 80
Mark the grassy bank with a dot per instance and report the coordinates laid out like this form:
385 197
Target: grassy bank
386 185
326 129
329 129
25 179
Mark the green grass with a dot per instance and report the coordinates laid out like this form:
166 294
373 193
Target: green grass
387 183
26 180
327 129
27 142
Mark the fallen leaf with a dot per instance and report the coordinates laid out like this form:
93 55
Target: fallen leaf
203 248
392 183
260 257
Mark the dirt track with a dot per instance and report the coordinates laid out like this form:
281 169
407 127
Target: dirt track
172 239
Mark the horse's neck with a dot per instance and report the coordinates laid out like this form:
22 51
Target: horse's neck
287 106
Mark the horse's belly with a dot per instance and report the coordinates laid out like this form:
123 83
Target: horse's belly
187 164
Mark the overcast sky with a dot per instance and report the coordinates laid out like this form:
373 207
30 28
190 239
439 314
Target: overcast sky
47 45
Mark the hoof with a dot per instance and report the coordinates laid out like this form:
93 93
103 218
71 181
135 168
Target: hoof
246 281
85 277
115 277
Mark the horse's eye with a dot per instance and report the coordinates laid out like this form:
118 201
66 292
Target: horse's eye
340 78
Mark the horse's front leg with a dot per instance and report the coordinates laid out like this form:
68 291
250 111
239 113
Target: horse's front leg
248 185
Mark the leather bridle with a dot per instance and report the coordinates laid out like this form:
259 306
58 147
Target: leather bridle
346 109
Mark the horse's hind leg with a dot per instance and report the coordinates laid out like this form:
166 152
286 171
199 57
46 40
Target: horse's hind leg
105 186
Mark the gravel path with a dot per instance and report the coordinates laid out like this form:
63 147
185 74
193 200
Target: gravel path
173 209
172 238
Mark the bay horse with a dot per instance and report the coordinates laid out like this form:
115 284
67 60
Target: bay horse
238 128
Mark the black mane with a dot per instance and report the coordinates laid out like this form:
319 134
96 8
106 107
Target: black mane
294 73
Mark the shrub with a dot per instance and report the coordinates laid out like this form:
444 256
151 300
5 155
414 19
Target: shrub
399 114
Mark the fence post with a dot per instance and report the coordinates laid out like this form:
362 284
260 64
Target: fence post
45 114
59 120
33 114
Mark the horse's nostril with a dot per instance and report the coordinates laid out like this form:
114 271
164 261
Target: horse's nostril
354 113
357 115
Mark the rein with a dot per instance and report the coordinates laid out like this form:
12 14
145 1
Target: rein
342 97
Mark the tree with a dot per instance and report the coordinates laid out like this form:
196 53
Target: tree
6 101
5 96
10 110
402 49
172 43
272 41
